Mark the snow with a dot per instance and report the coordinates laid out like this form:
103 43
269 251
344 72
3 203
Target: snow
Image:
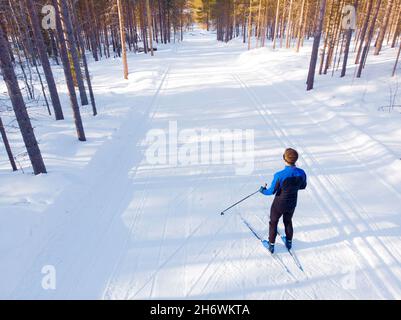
114 225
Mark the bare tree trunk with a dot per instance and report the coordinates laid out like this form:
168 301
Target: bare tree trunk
91 33
258 23
368 40
68 30
250 24
67 72
346 51
276 24
40 45
16 42
7 146
316 43
122 34
289 23
397 29
364 29
300 25
383 27
19 107
396 61
282 25
85 63
150 27
334 38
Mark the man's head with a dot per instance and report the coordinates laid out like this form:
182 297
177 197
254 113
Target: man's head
290 156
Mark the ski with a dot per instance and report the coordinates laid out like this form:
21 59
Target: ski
292 253
275 257
279 260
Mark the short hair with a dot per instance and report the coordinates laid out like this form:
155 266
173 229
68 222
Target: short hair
290 156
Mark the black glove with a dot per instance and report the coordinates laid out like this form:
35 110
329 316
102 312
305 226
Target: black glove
262 189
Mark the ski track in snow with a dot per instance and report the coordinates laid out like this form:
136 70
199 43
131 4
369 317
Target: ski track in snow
134 230
367 249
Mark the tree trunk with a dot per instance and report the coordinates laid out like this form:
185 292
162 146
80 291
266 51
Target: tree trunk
122 35
348 38
346 51
67 72
41 47
289 23
397 29
19 107
368 40
316 44
396 61
282 25
91 36
150 27
276 24
7 146
85 63
250 24
383 27
300 25
363 31
258 23
68 30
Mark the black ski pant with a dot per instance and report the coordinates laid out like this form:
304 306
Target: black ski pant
276 212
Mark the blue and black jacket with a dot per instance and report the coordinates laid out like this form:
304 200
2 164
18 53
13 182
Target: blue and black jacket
285 186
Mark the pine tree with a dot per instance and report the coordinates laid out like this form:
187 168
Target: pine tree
19 107
41 47
67 72
316 44
72 49
7 146
383 28
122 36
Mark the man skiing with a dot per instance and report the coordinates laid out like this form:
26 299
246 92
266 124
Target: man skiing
285 186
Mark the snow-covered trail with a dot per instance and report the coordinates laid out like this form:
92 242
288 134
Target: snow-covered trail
134 230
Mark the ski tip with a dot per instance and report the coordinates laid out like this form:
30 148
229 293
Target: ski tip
265 242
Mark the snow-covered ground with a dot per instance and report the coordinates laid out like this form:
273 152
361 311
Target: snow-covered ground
115 225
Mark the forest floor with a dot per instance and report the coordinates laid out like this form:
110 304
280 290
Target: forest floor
116 225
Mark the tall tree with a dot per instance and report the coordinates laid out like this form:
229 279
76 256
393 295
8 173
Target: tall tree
316 44
368 40
41 47
383 27
150 25
85 63
364 29
396 61
19 107
7 146
249 24
67 73
276 24
72 49
300 25
348 38
122 35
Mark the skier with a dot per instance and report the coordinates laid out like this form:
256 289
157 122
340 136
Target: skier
285 186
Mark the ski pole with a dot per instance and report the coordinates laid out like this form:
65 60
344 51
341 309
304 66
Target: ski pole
222 213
